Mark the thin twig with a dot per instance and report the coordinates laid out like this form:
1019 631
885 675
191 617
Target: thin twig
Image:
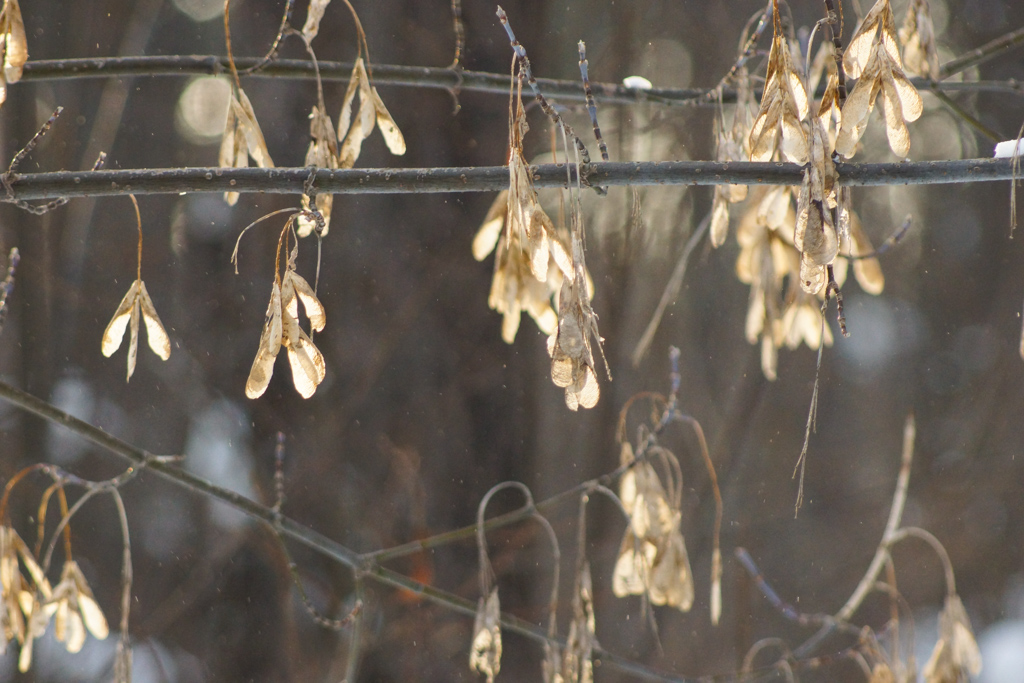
980 55
123 656
889 536
675 283
524 63
967 117
460 34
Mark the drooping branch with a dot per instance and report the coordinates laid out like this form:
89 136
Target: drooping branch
364 565
412 76
36 186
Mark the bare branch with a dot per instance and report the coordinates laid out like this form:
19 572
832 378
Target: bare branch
31 186
413 76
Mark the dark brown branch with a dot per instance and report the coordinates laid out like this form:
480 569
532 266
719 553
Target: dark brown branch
34 186
411 76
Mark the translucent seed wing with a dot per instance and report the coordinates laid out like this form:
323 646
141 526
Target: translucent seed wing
227 155
345 116
16 53
270 343
93 617
155 332
388 128
895 127
250 127
308 367
490 230
114 334
314 309
313 17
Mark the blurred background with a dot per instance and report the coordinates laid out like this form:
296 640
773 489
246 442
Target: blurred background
424 408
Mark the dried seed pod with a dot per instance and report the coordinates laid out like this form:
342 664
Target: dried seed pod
13 43
371 111
136 304
783 106
873 57
956 655
920 54
242 139
314 14
485 654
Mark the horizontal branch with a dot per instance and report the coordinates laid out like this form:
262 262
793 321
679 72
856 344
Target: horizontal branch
45 186
411 76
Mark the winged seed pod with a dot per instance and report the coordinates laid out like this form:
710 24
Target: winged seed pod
920 55
74 610
572 358
764 261
12 585
783 106
281 328
577 660
13 43
313 16
135 304
36 621
21 615
371 111
731 145
531 260
652 559
956 656
873 58
867 270
815 233
322 153
515 288
242 139
485 654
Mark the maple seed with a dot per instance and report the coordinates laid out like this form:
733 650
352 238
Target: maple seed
485 655
371 111
242 139
783 105
13 43
873 58
136 304
75 609
322 153
270 343
652 559
956 656
313 17
281 328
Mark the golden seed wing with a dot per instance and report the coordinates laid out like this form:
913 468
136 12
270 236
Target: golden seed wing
93 617
867 270
16 53
345 115
313 17
250 127
388 128
270 343
314 309
114 334
308 367
155 332
895 127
